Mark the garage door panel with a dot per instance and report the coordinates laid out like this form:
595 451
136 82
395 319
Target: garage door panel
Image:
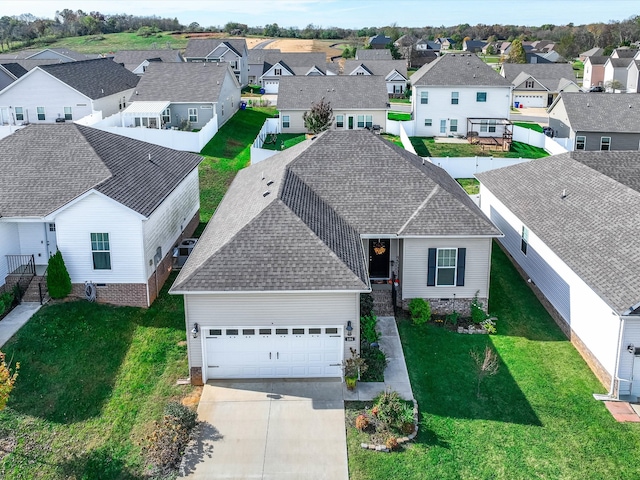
273 352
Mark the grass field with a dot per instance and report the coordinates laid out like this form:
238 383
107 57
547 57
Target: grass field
112 42
427 147
399 116
532 126
225 154
93 378
535 419
285 140
470 185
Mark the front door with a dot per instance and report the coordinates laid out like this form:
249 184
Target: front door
4 116
379 258
635 378
350 123
52 245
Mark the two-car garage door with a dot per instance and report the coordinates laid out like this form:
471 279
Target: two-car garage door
531 101
273 352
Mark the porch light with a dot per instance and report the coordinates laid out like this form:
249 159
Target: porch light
349 329
195 330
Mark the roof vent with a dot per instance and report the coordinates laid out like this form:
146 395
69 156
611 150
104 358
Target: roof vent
269 183
102 90
266 193
149 157
588 104
262 175
629 105
564 193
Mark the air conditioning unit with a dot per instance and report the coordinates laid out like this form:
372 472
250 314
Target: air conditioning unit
182 252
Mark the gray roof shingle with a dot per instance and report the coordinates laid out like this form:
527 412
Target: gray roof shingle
182 82
342 91
131 59
597 59
46 166
14 69
257 55
377 67
603 112
459 70
94 78
594 228
202 47
374 54
323 195
548 71
292 60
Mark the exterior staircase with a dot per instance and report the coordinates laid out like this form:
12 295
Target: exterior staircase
32 293
382 303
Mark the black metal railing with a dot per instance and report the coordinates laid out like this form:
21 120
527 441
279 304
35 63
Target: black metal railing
21 265
394 292
42 286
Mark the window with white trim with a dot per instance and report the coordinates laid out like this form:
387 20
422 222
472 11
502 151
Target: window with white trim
443 126
524 239
481 96
455 97
360 121
368 121
446 267
193 115
605 143
581 142
339 121
285 121
19 114
40 112
424 98
101 251
68 115
166 116
453 125
428 122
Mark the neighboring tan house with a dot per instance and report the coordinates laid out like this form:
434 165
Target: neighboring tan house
272 289
378 42
171 94
538 85
114 207
597 121
68 91
615 72
570 223
445 43
368 54
594 52
137 61
358 101
9 73
593 71
278 65
231 50
256 62
393 71
455 89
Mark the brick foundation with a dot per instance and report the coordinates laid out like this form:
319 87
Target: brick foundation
593 363
196 376
124 294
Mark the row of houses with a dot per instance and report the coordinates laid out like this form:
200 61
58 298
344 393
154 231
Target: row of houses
620 71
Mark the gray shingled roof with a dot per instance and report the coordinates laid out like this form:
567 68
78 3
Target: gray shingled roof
597 59
182 82
343 91
29 64
201 47
94 78
46 166
625 52
595 51
458 69
374 54
594 229
323 195
620 62
549 71
555 85
14 69
301 59
70 54
131 59
379 40
603 112
257 55
377 67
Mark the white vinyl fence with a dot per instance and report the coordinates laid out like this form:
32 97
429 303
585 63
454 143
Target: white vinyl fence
467 167
271 126
395 127
552 145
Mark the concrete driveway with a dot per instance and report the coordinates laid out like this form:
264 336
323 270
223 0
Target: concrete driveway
270 430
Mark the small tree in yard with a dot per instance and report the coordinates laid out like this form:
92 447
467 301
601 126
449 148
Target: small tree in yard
319 118
614 85
58 280
516 53
487 365
7 380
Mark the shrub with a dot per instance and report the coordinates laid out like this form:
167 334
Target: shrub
376 363
390 407
368 333
362 422
366 304
453 318
6 300
166 444
355 366
7 380
392 443
489 325
58 280
420 311
478 315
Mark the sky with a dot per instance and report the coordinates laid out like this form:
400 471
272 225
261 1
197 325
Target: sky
347 13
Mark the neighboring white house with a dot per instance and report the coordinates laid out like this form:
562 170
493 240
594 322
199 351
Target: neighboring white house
231 50
114 207
538 84
137 61
454 88
67 91
393 71
358 101
272 289
615 72
633 76
277 65
575 237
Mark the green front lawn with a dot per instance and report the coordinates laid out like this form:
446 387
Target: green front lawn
530 125
427 147
470 185
285 140
535 419
399 116
93 378
226 153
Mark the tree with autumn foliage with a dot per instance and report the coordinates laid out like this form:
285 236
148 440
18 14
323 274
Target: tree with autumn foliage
319 118
7 380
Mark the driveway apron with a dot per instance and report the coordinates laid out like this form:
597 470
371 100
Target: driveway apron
270 430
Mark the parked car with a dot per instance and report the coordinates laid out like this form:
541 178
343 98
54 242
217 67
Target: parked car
596 88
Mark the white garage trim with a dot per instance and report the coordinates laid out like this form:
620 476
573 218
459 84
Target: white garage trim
271 86
538 101
276 351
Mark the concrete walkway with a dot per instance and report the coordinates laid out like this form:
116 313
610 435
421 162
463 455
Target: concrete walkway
20 315
285 430
396 376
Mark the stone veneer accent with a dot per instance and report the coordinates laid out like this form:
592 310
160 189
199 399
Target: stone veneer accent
593 363
401 440
196 376
443 306
124 294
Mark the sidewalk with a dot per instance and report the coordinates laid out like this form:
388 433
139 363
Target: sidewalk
20 315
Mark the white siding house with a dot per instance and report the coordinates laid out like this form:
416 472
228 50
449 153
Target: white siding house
560 235
272 289
95 207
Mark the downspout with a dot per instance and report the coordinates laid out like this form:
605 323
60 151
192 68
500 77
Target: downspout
610 394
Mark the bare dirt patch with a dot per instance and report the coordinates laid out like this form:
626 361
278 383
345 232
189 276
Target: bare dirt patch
301 45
